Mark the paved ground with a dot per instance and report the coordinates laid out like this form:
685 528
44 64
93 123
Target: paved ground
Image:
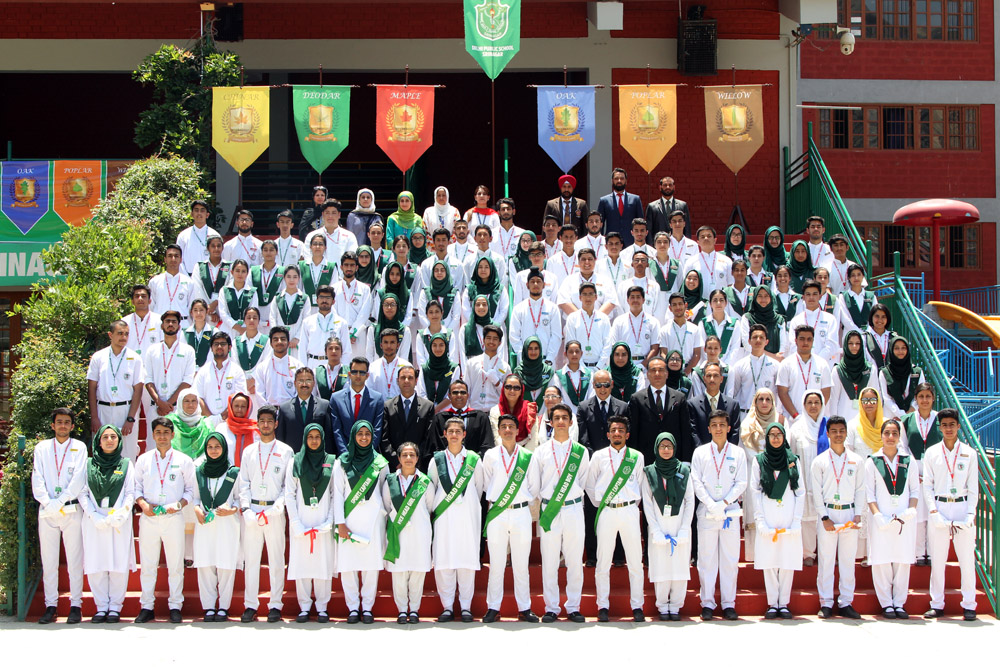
940 643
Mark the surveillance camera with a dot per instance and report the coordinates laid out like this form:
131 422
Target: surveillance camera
846 43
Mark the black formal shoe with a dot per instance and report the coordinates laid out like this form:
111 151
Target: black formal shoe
209 616
889 612
401 619
825 612
49 616
354 617
175 616
706 614
638 616
273 615
527 616
413 618
730 614
923 562
249 616
664 617
591 562
303 617
113 617
221 615
901 613
771 614
99 617
74 616
618 563
447 616
934 613
602 616
467 616
847 611
784 613
576 617
145 616
675 617
969 615
549 617
322 617
491 616
188 563
367 618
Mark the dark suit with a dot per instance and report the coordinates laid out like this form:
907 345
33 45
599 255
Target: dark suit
647 422
291 425
478 432
594 429
621 223
699 409
658 215
342 415
400 429
578 214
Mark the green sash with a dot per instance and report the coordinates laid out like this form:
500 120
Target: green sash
660 493
859 317
207 499
618 481
915 442
666 282
266 296
405 505
325 278
727 331
901 467
562 487
202 344
364 484
248 359
874 351
237 305
570 390
290 314
205 276
732 296
464 475
513 486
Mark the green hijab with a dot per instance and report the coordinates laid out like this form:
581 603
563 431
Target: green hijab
471 338
801 271
357 459
676 379
778 460
490 288
675 475
314 467
897 372
406 219
734 251
366 274
106 472
534 373
438 372
189 431
384 322
521 259
625 379
774 257
214 468
399 289
441 288
853 369
693 296
418 255
767 317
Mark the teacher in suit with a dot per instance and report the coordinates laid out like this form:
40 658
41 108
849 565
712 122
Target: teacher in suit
478 432
659 409
658 212
713 399
566 208
408 417
356 402
619 208
304 409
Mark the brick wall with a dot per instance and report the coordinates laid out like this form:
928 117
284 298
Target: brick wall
702 179
737 19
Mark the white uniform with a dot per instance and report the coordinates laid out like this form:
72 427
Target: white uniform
716 271
566 534
470 267
456 267
685 338
499 316
575 379
618 271
337 243
353 302
116 378
799 377
562 265
838 275
820 253
293 321
382 376
803 438
143 332
596 243
593 333
889 406
262 499
414 560
683 250
215 385
217 545
669 545
463 359
569 290
485 378
246 248
891 545
312 557
750 374
511 529
171 293
200 291
108 544
639 332
58 478
783 334
451 320
778 558
550 290
505 243
840 403
194 246
719 478
628 253
826 339
843 313
163 481
837 490
536 318
167 368
315 331
951 486
275 378
619 518
728 332
290 250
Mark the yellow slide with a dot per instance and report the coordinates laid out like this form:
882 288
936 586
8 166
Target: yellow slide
989 325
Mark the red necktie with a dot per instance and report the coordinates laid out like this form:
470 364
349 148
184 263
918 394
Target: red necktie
621 205
357 405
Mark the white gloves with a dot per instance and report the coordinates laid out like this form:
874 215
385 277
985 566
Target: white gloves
881 520
325 527
273 511
970 521
937 520
249 517
909 515
717 510
764 530
53 507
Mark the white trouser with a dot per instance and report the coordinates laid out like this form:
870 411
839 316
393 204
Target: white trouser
407 590
68 528
108 590
965 550
836 549
892 582
809 527
304 589
923 540
166 530
718 558
117 416
513 528
749 535
616 521
448 580
778 585
565 538
359 347
215 587
255 537
363 598
670 596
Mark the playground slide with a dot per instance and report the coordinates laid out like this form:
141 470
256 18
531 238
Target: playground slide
990 326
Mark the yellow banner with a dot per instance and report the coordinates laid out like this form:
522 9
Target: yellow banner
647 122
734 123
240 124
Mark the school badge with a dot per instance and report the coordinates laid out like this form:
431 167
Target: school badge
322 119
24 191
734 122
77 191
240 122
404 122
565 121
492 20
645 122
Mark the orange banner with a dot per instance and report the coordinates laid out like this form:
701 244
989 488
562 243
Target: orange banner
404 122
115 170
647 122
76 189
734 123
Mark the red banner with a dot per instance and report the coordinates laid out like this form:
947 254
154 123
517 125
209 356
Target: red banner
76 186
404 122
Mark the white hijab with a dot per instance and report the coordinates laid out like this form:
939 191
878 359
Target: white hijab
442 209
358 207
190 420
808 425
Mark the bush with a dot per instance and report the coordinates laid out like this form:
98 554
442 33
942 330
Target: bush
47 378
12 475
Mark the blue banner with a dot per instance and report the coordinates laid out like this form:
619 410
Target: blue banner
566 118
25 193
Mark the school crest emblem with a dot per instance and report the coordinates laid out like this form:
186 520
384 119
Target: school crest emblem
24 191
647 122
404 122
492 20
565 121
734 122
77 191
322 119
241 122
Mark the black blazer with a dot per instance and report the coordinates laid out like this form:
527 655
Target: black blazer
594 429
658 216
478 433
646 422
397 429
699 409
291 424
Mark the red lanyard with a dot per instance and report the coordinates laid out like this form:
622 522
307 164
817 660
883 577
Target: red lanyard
215 275
583 316
840 274
837 475
892 474
451 465
140 325
163 355
263 276
263 464
924 431
632 326
569 269
805 375
815 258
952 465
244 246
505 245
275 369
559 468
721 463
162 475
577 386
708 269
388 373
743 299
531 312
882 348
612 460
343 290
805 316
171 295
680 249
404 485
503 459
591 243
60 462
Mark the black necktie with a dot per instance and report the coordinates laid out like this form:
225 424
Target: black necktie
406 409
659 400
604 412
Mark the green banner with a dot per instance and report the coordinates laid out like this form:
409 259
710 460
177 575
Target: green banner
493 33
322 120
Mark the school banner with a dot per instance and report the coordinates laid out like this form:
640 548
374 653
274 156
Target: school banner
492 33
322 118
566 119
647 122
241 119
404 122
76 188
734 123
26 194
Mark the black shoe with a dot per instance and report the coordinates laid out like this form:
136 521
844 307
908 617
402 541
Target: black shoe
889 613
188 563
847 611
354 617
367 618
209 616
467 616
730 614
273 615
591 562
784 613
491 616
675 617
175 616
825 612
638 616
664 617
49 616
933 613
249 616
145 616
74 616
113 617
99 617
576 617
706 614
901 613
221 615
771 614
413 618
549 617
969 615
618 563
808 562
322 617
401 619
447 616
527 616
602 616
303 617
923 562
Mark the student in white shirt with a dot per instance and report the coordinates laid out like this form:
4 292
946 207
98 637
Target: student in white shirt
172 289
507 234
655 303
290 248
274 378
291 307
573 379
681 247
338 240
470 335
854 306
235 297
850 375
485 373
170 368
637 328
143 323
898 379
614 265
826 327
536 253
681 335
193 240
385 366
563 263
220 378
115 377
319 327
536 316
757 275
819 252
483 237
460 275
802 371
591 327
569 287
593 238
715 267
753 372
244 245
839 264
210 276
723 325
640 231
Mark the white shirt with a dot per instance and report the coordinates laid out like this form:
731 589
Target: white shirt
472 260
485 377
194 246
459 252
549 290
734 350
628 253
275 378
826 339
143 332
547 465
575 378
316 330
116 376
603 466
801 376
685 338
683 250
718 477
562 266
838 275
290 251
353 302
553 249
594 334
498 466
748 375
569 290
950 474
459 278
505 243
596 243
820 253
262 475
215 385
337 243
536 318
640 332
171 293
837 480
58 465
164 480
616 271
382 376
716 271
654 299
246 248
169 367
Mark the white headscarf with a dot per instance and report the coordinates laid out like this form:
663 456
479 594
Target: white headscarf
442 210
358 207
190 420
804 421
752 428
